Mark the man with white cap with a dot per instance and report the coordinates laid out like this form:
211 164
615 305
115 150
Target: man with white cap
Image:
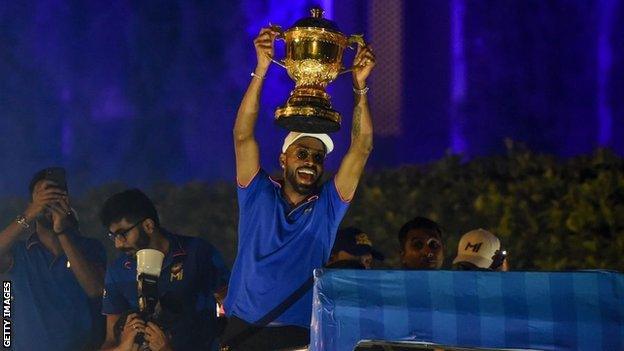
287 227
480 250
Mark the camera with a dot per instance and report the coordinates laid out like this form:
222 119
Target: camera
149 265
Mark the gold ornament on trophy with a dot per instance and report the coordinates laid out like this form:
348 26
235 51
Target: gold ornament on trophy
314 50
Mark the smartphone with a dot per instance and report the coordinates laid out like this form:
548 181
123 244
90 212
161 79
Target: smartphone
57 175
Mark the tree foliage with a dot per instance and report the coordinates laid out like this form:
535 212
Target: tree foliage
550 214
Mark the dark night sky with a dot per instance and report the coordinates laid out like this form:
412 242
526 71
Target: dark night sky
147 91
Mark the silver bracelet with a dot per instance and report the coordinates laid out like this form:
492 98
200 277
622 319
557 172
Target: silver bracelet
21 220
254 75
360 91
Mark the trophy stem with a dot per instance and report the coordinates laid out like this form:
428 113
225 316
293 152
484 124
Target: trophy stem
308 110
310 91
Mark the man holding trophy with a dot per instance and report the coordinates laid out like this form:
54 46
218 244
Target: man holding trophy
287 227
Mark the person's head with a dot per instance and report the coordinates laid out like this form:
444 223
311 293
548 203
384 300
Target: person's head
352 244
479 250
421 245
43 179
302 159
132 221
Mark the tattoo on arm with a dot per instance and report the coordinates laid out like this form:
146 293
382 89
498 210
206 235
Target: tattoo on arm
357 121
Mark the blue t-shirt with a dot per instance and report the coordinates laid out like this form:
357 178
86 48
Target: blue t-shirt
192 271
279 247
50 311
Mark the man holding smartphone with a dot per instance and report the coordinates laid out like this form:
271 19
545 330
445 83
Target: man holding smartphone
57 274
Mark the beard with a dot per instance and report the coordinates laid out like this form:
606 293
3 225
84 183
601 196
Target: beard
142 243
300 188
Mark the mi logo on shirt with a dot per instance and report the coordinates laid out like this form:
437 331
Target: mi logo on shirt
475 247
177 272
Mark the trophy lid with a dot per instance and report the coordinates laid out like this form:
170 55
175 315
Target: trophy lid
317 20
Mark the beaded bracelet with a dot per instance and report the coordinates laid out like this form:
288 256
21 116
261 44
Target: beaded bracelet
257 76
360 91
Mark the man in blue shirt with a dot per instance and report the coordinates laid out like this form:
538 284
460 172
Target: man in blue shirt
192 274
56 275
287 227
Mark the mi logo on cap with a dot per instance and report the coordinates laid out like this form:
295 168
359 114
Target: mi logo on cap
362 239
475 247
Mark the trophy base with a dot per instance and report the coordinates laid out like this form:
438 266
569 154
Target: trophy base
308 119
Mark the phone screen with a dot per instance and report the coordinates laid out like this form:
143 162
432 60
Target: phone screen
57 175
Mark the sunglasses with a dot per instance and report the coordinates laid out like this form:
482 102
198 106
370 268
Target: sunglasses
122 235
317 157
432 243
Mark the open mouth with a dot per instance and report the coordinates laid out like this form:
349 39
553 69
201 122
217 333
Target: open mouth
306 174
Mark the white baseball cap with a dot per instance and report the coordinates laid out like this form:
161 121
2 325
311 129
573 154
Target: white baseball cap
293 136
477 247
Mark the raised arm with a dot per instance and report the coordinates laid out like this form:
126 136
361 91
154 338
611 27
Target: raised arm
88 272
7 238
41 197
245 144
354 161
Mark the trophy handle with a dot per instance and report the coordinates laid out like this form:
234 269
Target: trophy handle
280 36
358 40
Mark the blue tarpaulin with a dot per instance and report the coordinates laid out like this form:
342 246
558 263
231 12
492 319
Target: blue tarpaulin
523 310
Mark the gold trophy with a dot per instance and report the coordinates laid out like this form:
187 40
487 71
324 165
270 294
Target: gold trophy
314 49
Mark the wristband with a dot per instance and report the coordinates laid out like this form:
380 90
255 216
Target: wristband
254 75
360 91
21 220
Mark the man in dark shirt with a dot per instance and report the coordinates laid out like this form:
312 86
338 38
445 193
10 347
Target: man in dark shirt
192 274
57 275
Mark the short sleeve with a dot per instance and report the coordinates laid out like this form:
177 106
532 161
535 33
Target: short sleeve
245 195
336 205
336 208
113 301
